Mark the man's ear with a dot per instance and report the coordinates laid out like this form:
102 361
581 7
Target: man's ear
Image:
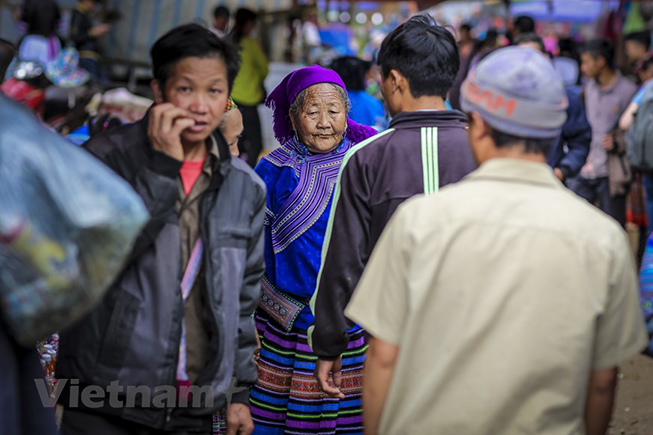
398 81
479 128
158 92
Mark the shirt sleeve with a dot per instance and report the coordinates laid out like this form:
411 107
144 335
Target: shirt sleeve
620 330
381 301
639 96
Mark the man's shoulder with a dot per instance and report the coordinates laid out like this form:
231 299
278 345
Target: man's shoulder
119 139
554 205
370 146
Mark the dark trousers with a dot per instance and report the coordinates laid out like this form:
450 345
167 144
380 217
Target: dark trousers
81 422
597 191
250 144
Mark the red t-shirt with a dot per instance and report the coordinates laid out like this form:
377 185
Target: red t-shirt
190 172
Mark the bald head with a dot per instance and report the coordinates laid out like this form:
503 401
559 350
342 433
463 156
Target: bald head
232 128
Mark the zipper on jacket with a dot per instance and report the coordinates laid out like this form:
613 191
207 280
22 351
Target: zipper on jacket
212 369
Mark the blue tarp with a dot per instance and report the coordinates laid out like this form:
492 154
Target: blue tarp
576 11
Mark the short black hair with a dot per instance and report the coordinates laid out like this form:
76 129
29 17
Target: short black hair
352 71
425 53
530 145
531 37
191 40
221 11
568 48
643 38
525 24
600 48
466 27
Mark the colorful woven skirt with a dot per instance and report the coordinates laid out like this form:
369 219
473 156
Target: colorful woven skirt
287 400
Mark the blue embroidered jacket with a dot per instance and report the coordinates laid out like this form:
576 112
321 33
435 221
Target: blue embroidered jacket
300 189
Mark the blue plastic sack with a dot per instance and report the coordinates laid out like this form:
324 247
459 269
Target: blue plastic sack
67 224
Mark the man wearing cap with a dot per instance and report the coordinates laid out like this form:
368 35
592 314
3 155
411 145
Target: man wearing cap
504 303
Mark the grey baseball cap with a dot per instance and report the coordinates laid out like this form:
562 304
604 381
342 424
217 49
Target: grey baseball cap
517 91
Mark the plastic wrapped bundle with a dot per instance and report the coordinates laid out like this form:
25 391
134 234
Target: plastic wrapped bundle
67 224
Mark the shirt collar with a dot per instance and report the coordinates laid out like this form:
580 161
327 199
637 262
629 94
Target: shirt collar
213 157
516 171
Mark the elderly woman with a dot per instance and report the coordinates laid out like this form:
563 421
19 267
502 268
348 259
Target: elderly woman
310 121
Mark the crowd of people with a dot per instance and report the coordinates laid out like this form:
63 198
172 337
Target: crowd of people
41 21
461 270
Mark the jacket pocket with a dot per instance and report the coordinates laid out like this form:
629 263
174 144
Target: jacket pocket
233 237
118 333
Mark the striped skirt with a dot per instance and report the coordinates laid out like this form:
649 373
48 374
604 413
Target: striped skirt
286 399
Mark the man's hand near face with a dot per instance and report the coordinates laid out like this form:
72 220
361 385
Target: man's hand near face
166 124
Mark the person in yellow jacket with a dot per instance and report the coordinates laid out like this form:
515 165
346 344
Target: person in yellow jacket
248 91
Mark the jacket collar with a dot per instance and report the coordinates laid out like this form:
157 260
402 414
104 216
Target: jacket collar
517 171
441 118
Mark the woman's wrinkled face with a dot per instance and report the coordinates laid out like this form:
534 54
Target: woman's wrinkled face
322 119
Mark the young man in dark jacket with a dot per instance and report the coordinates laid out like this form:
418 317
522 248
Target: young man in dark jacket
426 147
179 317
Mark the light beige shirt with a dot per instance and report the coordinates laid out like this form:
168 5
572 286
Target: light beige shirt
503 293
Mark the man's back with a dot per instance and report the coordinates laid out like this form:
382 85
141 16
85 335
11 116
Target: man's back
419 153
513 291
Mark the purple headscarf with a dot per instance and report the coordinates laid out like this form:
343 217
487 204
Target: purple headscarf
282 97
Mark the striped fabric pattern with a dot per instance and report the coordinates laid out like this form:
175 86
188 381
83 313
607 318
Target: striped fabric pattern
646 290
286 399
430 160
317 178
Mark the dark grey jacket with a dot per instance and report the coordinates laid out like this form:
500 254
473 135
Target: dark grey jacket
374 180
133 336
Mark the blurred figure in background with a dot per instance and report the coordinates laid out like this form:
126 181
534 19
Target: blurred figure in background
249 90
85 34
481 49
570 150
465 41
568 63
41 18
637 48
606 96
522 25
221 17
365 109
645 177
